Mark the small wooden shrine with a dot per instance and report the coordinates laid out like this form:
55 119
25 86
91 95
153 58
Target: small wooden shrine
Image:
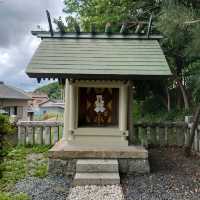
98 72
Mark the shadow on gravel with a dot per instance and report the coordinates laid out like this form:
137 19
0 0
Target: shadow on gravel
172 177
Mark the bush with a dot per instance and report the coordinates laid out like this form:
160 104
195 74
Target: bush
5 128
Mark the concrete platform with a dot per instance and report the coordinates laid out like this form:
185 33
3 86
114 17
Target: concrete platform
62 150
63 158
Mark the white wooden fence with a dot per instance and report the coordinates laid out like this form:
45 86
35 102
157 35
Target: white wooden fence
147 134
39 132
166 134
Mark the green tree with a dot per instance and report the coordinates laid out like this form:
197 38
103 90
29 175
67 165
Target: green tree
177 20
53 90
181 40
99 13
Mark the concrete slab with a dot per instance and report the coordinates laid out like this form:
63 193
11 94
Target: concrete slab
62 150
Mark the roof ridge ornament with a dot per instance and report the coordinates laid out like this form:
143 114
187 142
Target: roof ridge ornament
50 24
108 28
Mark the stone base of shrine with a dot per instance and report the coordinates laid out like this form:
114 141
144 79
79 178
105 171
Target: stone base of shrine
63 158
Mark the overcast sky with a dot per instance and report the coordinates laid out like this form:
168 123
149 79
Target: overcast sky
17 45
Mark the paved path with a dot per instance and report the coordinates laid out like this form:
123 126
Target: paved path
92 192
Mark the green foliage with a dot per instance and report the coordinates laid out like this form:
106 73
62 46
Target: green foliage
152 104
40 148
153 110
180 37
5 126
5 129
161 116
99 13
15 165
53 90
41 170
8 196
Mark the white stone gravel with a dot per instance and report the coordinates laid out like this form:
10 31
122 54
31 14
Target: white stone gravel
94 192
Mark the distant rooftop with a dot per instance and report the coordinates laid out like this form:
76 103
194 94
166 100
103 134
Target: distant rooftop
10 92
38 95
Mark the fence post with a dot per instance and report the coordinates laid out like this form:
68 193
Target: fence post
55 134
162 135
19 135
46 133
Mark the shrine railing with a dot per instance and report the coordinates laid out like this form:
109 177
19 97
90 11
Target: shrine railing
39 132
166 134
146 134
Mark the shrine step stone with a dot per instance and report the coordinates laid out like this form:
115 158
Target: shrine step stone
97 165
96 179
97 172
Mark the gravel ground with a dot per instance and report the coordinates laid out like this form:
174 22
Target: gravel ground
49 188
173 177
93 192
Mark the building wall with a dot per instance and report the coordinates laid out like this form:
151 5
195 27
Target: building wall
20 106
51 110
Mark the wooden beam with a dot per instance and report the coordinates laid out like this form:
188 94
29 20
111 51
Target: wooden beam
149 26
93 29
67 35
60 25
77 28
50 24
123 29
108 29
138 27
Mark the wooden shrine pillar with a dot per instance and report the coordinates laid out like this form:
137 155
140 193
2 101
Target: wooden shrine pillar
130 113
72 104
123 104
70 110
66 111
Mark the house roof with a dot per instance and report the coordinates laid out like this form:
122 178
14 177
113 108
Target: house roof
10 92
79 56
52 104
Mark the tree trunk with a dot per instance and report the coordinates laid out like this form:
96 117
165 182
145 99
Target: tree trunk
194 127
185 97
168 100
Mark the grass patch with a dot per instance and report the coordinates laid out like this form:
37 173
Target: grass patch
41 170
15 165
8 196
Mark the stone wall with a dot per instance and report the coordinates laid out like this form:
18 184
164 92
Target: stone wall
67 168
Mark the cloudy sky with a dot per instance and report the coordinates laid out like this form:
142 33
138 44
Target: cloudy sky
17 45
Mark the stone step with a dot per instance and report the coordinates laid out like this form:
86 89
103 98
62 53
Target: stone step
96 179
97 165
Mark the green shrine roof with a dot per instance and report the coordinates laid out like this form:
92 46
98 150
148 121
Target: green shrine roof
82 56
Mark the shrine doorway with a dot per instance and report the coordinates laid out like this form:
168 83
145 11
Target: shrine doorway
98 107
